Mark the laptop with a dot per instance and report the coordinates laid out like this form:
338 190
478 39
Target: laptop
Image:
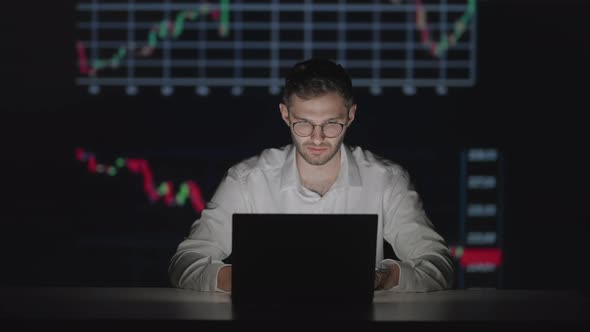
303 259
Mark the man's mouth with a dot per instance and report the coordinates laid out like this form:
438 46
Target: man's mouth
316 150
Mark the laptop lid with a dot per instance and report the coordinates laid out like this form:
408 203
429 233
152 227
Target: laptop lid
303 258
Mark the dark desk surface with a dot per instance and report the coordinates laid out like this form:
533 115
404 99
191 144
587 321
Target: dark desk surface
41 304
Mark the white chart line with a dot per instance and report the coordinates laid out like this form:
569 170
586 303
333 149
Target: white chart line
376 50
130 41
258 82
472 50
275 48
285 63
259 25
238 62
342 27
167 49
283 45
442 73
308 29
261 7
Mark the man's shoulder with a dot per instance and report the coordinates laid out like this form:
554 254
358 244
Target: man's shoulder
373 162
267 159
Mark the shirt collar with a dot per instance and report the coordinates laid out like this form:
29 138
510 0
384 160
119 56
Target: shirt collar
289 176
349 170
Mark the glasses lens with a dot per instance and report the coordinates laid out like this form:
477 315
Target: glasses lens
303 128
332 129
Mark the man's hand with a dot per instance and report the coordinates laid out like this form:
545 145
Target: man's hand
387 278
224 278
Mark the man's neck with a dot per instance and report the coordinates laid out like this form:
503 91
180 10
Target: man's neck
318 178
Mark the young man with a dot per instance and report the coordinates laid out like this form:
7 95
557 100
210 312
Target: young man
318 174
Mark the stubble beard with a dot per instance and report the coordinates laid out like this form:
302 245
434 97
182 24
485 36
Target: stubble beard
322 159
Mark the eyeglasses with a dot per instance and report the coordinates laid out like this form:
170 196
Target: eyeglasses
329 129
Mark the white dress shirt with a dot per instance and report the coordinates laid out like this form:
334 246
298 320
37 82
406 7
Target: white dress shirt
366 183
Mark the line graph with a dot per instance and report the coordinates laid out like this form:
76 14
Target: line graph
188 192
246 44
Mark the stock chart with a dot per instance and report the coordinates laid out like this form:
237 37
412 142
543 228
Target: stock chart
249 44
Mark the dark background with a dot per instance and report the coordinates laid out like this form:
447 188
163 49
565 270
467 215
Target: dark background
61 225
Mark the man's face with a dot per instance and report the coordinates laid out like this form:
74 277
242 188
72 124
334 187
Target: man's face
317 149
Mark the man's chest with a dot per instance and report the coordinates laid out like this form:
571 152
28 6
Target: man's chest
320 188
304 200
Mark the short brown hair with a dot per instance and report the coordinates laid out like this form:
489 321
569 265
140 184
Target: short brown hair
316 77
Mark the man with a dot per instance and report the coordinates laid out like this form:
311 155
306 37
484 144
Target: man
318 174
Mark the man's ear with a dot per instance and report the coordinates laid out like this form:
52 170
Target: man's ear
285 113
351 113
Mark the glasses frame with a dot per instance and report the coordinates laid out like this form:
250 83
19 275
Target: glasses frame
342 125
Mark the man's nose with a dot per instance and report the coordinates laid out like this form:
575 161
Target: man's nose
317 135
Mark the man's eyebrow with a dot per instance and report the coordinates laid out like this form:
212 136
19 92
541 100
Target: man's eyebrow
299 118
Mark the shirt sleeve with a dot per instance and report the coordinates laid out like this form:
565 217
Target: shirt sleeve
198 257
424 257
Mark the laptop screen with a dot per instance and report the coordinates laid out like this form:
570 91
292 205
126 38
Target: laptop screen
303 258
